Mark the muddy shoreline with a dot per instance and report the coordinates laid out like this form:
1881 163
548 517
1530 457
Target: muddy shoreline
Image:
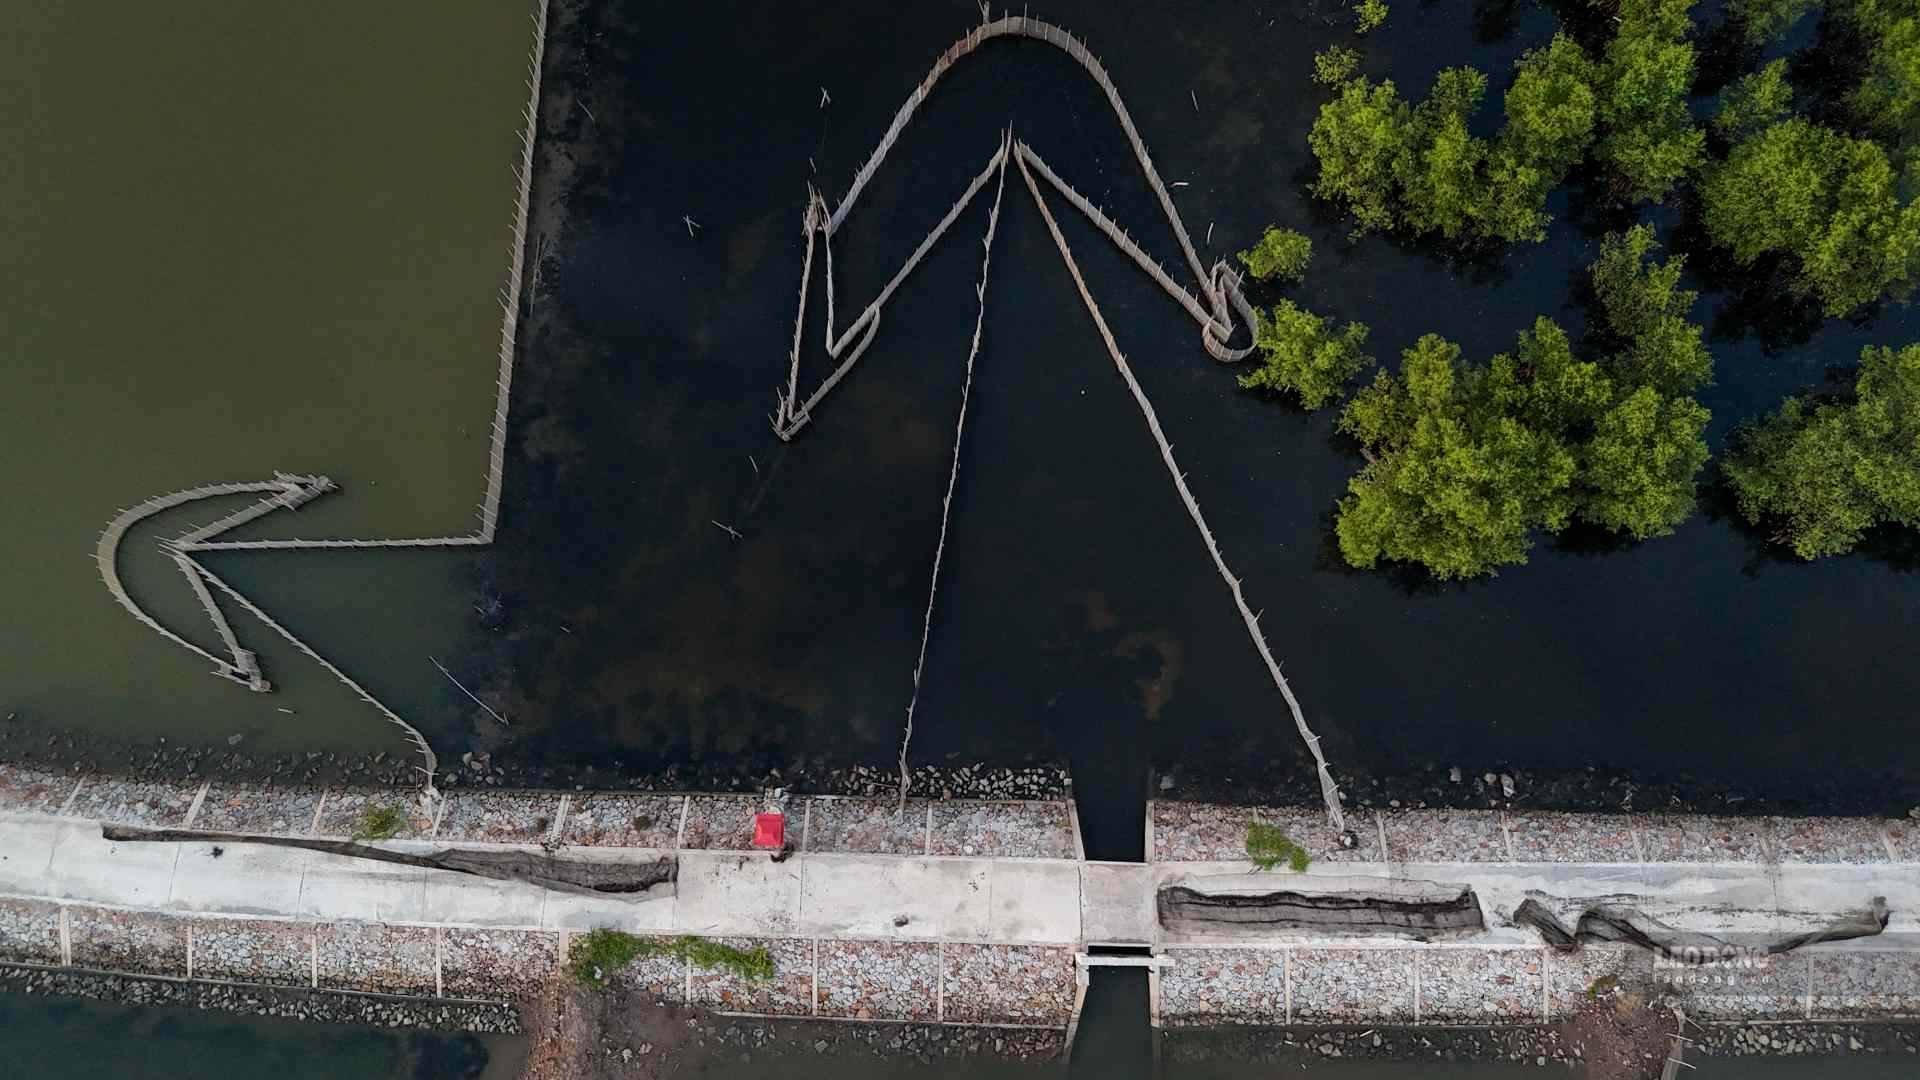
623 1031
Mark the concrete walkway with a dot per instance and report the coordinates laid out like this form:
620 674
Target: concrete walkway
862 897
825 896
953 939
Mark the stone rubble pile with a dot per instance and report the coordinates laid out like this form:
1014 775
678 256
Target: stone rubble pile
1205 832
284 1003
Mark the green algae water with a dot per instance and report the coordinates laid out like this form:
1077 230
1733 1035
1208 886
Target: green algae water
240 238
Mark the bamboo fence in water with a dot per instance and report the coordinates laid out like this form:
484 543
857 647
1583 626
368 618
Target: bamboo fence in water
288 491
1213 309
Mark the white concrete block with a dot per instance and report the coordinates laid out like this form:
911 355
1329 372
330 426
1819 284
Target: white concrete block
1117 904
726 892
476 901
86 867
26 855
372 891
1035 902
860 896
247 879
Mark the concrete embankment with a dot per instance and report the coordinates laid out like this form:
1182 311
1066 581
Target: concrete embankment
1740 879
953 912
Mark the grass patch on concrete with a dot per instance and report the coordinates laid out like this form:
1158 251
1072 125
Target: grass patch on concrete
379 823
596 955
1269 845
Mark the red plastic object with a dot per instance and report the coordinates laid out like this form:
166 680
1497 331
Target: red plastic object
770 831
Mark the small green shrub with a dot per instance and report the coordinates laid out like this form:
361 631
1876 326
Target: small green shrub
379 823
1369 15
1331 66
1305 354
1269 845
595 956
1601 985
1281 255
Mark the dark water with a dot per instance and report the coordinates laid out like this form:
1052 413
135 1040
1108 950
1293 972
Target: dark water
1078 613
57 1039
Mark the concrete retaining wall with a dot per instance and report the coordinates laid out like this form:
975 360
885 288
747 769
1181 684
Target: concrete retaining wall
993 984
1205 832
693 821
1716 871
1480 985
927 982
982 905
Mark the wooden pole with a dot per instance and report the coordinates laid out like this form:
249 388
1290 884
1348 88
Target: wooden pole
953 471
469 693
1328 790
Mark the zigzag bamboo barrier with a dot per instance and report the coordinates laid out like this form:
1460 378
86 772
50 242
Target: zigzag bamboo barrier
1328 789
1219 289
288 491
1220 286
285 490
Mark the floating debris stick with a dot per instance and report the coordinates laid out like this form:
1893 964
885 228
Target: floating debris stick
469 693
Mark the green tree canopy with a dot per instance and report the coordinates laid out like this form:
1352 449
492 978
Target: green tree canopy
1825 473
1887 100
1452 484
1755 102
1369 15
1303 354
1281 255
1827 201
1649 138
1418 168
1763 20
1438 169
1357 138
1636 472
1551 108
1644 316
1464 461
1333 65
1543 385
